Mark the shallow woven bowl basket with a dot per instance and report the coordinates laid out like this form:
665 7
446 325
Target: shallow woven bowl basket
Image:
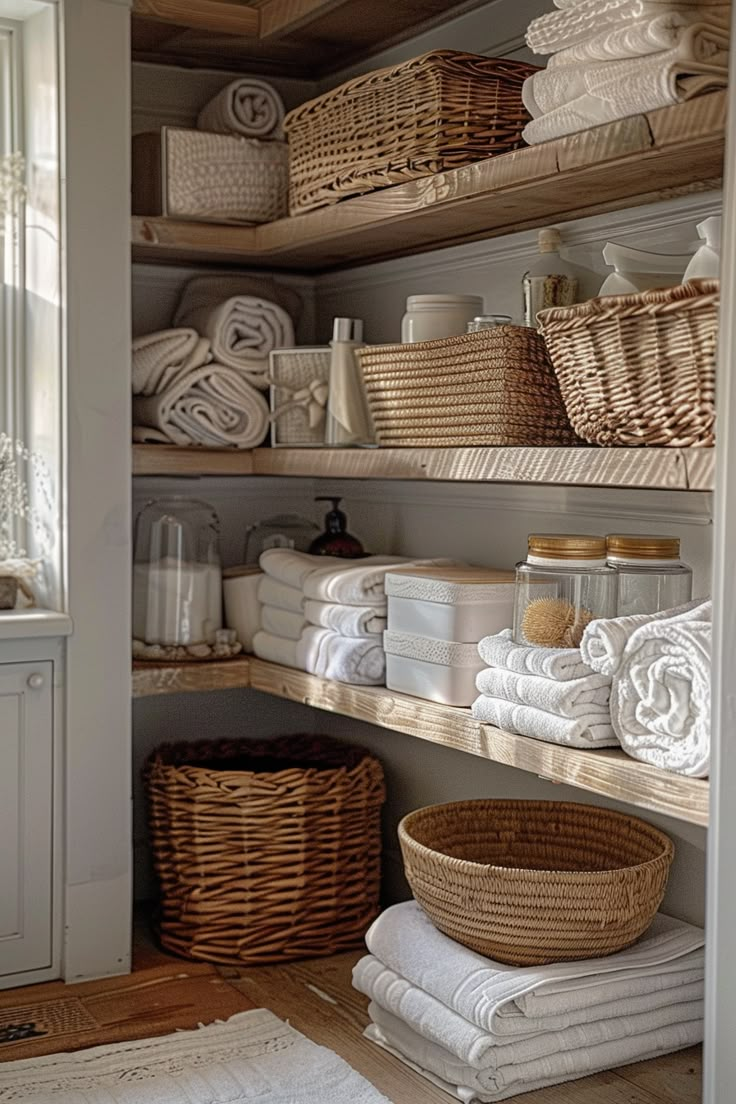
638 369
265 850
529 882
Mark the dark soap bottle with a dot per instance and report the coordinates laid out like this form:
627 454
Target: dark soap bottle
336 541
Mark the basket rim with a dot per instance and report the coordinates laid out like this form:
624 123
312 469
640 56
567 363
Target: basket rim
470 867
688 296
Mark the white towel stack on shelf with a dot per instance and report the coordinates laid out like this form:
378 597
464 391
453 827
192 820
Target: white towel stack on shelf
546 693
485 1031
660 694
615 58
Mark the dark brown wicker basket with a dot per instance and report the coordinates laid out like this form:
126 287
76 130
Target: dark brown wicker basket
265 850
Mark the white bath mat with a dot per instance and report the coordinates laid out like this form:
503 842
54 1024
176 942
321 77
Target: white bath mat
252 1058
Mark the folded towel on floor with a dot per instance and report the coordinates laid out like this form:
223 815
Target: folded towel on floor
246 106
574 698
280 622
212 406
660 697
649 36
271 592
357 660
605 639
158 358
587 730
276 649
435 1063
561 664
560 30
496 997
346 620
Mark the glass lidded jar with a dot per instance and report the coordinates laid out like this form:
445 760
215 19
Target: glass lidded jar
488 322
651 575
177 577
429 317
562 585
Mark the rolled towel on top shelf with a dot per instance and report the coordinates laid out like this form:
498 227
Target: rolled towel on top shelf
248 107
158 358
605 639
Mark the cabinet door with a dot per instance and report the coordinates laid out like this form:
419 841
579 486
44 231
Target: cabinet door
26 816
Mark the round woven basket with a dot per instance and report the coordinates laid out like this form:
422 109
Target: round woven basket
265 850
530 882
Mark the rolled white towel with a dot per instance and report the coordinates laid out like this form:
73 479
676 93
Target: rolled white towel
276 649
660 696
212 405
158 358
280 622
586 731
605 639
246 106
346 620
561 664
575 698
357 660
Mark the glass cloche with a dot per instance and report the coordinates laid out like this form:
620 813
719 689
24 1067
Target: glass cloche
280 531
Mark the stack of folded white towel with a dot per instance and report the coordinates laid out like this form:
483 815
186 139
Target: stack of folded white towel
547 693
485 1031
199 383
615 58
324 615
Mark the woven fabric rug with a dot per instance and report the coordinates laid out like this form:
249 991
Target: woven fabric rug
252 1058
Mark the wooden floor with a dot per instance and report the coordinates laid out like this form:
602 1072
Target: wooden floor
317 998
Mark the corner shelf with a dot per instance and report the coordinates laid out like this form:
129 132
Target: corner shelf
608 772
638 160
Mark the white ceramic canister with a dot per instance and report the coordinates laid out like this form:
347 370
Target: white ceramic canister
242 608
433 316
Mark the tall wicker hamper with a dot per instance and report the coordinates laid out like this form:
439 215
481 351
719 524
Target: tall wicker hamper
265 850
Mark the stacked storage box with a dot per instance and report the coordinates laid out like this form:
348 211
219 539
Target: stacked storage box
436 616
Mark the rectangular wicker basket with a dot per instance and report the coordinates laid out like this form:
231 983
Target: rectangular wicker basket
435 112
493 387
639 369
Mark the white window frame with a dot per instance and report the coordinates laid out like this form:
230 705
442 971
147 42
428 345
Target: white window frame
12 314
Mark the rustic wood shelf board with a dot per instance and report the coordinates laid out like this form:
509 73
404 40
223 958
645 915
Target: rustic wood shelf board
668 469
608 772
633 161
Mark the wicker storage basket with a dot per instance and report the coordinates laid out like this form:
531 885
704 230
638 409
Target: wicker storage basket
638 369
493 387
265 851
529 882
435 112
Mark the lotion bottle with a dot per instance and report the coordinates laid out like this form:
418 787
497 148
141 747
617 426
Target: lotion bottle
348 417
550 281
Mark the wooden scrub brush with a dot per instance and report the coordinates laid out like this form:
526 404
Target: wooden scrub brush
554 623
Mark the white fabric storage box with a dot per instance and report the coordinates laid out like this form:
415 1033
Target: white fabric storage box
457 603
190 174
437 670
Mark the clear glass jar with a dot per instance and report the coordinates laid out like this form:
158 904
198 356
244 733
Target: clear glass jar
563 584
177 578
651 576
488 321
432 316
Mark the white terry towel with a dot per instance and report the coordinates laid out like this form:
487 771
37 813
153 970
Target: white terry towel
212 405
158 358
331 579
585 731
605 639
280 622
561 664
292 567
346 620
247 107
649 36
276 649
357 660
574 698
524 1000
202 293
440 1067
271 592
660 698
560 30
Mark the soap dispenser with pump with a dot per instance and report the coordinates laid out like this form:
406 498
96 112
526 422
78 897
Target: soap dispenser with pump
336 541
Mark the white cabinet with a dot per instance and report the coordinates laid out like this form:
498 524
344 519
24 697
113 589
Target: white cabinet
26 819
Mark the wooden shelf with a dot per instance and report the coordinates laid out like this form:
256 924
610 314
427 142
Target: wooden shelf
608 772
633 161
668 469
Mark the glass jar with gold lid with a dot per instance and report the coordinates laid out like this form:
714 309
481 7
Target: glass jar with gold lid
651 575
562 585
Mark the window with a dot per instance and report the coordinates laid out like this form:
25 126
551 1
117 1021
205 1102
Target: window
11 238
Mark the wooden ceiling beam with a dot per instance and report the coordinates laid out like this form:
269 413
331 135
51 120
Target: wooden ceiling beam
279 17
204 15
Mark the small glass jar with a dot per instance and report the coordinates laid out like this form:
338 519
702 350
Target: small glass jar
563 584
488 321
433 316
177 578
651 576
